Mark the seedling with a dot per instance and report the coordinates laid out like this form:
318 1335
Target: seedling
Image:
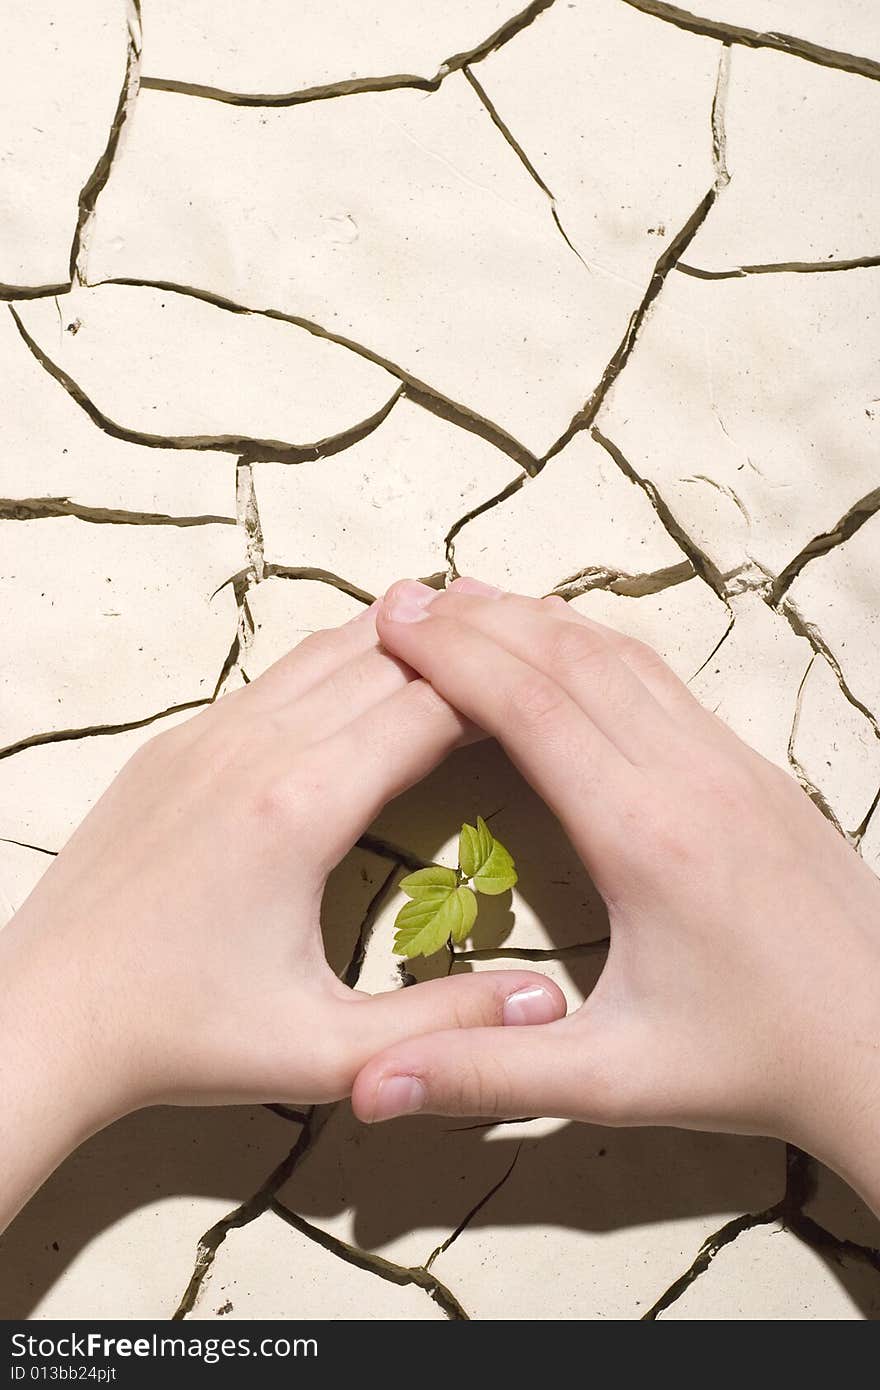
443 908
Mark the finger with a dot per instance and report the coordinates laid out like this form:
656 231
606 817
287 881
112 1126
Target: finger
571 763
577 656
349 691
642 659
503 1072
311 661
376 757
365 1026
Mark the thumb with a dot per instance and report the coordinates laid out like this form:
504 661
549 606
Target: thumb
503 1072
368 1025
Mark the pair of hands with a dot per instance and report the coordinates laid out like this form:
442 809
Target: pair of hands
173 951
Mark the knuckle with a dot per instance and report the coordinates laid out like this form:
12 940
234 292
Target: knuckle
534 702
573 647
323 640
479 1091
150 753
711 802
642 658
668 830
729 787
161 748
278 806
423 700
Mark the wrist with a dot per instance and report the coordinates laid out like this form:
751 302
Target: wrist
838 1119
62 1076
849 1142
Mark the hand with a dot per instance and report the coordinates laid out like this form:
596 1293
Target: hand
742 987
173 952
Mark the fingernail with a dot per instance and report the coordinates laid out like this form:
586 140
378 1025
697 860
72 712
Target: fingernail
398 1095
533 1005
406 602
475 587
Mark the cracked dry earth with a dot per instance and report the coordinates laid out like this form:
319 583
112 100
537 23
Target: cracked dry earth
582 297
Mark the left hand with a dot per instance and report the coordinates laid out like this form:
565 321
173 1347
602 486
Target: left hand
173 953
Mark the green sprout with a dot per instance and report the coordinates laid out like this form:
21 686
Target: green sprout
443 908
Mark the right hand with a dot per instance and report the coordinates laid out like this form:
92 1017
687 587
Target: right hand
742 987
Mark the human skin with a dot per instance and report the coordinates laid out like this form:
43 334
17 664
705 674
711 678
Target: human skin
742 987
173 953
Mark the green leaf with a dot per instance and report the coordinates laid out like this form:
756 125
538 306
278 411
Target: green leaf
485 860
466 908
474 847
427 881
426 924
498 874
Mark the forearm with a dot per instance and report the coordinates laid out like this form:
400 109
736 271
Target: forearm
56 1084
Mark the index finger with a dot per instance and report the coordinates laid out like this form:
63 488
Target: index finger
580 774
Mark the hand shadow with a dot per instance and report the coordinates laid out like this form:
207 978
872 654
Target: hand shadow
405 1181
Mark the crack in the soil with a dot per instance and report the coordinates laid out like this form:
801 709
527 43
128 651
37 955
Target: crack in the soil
708 1250
386 850
560 953
416 390
287 1112
465 419
780 268
527 164
860 832
499 497
851 521
249 518
354 85
32 291
715 650
263 450
96 181
313 1119
23 844
249 1210
724 489
100 730
402 1275
351 974
702 565
803 628
583 419
322 576
474 1211
491 1124
622 582
772 592
753 38
809 787
127 726
43 508
800 1185
717 119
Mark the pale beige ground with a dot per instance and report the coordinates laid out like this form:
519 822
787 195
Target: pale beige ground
585 298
